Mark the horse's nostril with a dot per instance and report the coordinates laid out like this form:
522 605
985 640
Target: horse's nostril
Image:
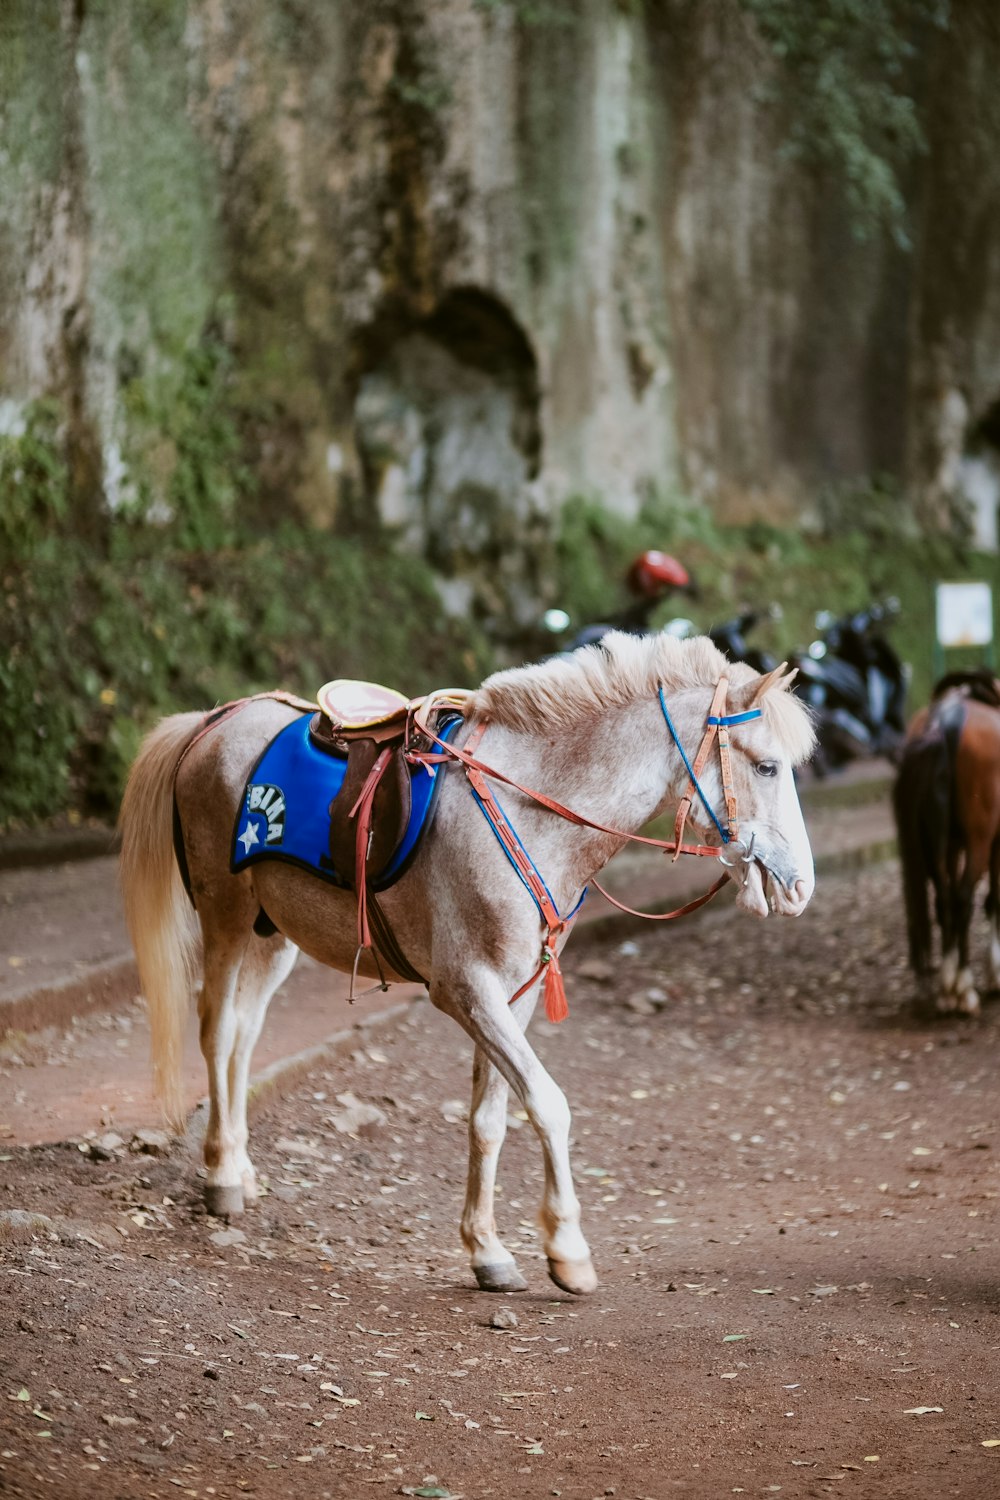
801 890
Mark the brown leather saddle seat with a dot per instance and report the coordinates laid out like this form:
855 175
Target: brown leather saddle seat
360 720
366 722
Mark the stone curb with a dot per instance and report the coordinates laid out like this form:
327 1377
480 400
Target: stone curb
23 851
106 987
272 1083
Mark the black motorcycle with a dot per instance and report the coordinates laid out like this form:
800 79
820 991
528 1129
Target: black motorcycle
856 685
731 638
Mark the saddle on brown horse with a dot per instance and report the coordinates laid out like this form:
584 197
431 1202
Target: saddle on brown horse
374 727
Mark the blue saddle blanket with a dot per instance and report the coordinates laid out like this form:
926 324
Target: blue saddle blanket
285 814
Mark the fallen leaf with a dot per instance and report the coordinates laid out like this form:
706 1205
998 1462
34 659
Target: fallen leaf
422 1416
734 1338
921 1411
990 1443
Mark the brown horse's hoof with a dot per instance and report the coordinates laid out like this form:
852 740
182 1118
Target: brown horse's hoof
577 1277
502 1277
223 1202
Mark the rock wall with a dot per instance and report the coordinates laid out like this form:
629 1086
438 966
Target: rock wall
472 257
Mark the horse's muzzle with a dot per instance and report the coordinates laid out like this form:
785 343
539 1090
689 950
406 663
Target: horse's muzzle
768 881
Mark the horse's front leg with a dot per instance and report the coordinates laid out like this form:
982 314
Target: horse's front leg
492 1263
478 1002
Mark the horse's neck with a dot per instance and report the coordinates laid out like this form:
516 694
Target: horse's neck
614 772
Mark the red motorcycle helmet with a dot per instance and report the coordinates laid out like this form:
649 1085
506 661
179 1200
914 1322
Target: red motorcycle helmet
653 573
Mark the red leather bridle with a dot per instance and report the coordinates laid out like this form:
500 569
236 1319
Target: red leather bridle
716 729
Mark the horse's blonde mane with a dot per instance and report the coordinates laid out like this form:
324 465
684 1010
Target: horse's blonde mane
567 691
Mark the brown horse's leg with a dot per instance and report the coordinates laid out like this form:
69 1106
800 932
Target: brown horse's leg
224 952
977 860
266 964
993 912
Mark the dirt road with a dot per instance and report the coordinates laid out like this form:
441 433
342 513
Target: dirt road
790 1189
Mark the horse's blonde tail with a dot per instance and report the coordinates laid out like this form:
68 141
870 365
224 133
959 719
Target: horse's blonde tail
161 920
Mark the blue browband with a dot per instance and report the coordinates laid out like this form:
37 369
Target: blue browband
720 719
751 713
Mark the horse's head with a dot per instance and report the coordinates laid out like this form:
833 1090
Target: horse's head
769 857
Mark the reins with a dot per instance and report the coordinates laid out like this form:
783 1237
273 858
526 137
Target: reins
555 924
716 727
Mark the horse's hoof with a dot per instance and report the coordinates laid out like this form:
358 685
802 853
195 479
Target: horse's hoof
500 1277
969 1003
223 1202
575 1276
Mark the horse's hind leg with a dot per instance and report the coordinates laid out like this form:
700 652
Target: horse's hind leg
479 1004
492 1263
266 964
977 861
242 972
993 912
224 952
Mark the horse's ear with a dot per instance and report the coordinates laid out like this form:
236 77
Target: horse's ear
773 679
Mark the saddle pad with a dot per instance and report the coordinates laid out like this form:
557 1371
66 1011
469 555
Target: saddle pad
284 813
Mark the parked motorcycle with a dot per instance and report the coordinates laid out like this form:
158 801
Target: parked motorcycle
651 579
731 638
856 684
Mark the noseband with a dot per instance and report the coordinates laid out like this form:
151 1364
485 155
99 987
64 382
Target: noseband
717 726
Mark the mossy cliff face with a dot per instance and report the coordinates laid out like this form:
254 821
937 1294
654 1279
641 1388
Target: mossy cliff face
469 257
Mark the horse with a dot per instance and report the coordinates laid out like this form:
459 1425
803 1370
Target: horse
946 801
593 727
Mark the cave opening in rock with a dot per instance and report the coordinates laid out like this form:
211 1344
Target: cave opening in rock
447 428
980 478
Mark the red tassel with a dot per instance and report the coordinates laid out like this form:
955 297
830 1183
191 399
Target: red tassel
556 1008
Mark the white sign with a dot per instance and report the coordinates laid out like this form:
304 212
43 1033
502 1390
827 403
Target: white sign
964 614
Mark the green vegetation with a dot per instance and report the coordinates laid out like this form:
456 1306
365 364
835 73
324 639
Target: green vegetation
189 597
844 86
101 638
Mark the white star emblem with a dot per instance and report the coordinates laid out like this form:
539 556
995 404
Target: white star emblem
249 837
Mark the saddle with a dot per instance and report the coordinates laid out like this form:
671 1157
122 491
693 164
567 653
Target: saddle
367 724
372 726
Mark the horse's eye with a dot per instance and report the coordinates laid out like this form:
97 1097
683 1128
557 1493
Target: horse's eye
767 768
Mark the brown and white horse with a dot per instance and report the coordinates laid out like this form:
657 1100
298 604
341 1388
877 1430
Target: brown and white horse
947 804
589 730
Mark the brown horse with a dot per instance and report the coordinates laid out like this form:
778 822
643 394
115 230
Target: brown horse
947 805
